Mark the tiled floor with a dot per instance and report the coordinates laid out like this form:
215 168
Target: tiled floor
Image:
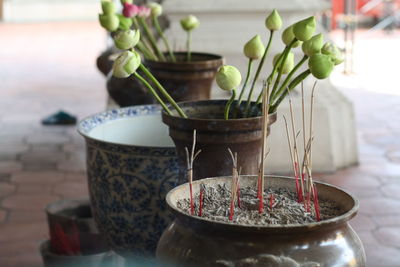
47 67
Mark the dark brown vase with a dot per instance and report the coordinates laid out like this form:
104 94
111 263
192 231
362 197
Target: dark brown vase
195 241
187 81
214 136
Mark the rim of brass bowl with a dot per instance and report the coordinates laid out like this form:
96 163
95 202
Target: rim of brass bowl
207 124
200 61
80 128
207 224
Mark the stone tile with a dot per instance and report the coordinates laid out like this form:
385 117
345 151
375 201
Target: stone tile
72 190
23 231
379 206
43 156
17 248
393 179
75 164
47 138
28 202
362 223
6 189
394 156
3 215
10 166
381 256
387 220
27 259
37 189
39 166
76 177
17 216
5 177
391 190
389 236
388 169
11 151
37 177
355 181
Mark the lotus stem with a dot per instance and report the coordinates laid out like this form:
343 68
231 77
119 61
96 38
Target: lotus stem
228 104
244 85
153 92
188 46
162 90
260 65
165 40
151 38
148 54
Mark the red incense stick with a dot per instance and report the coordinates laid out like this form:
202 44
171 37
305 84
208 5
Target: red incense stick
201 199
316 204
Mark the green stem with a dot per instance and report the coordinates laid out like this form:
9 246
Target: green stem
165 40
144 40
288 78
228 104
281 64
162 90
146 53
245 83
151 38
188 46
260 65
154 93
292 85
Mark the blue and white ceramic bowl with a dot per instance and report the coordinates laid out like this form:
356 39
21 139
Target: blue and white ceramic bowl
131 165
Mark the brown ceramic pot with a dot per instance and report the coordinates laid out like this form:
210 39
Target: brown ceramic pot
195 241
187 81
214 136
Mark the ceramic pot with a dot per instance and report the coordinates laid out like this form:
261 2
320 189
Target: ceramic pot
187 81
195 241
131 165
92 256
214 136
71 214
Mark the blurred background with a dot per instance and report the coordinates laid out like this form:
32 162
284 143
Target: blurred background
48 52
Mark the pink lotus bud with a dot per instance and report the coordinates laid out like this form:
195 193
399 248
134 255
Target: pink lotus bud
130 10
144 11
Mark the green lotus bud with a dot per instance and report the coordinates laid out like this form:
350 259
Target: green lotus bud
289 63
254 48
228 77
126 39
156 9
124 22
313 45
304 29
273 21
110 22
288 36
320 65
190 23
126 1
108 7
334 52
126 64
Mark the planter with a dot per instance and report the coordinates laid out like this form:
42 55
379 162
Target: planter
131 165
187 81
71 214
214 136
195 241
93 256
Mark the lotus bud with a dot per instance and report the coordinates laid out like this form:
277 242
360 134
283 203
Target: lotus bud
320 65
228 77
123 2
130 10
126 39
144 11
304 29
334 52
190 23
109 21
288 65
126 64
313 45
108 7
254 49
273 21
288 36
155 9
124 22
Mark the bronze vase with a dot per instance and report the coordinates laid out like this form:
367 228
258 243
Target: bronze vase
214 136
196 241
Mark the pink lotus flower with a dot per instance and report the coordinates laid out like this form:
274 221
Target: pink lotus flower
130 10
144 11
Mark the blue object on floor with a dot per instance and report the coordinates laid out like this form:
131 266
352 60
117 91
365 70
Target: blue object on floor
59 118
